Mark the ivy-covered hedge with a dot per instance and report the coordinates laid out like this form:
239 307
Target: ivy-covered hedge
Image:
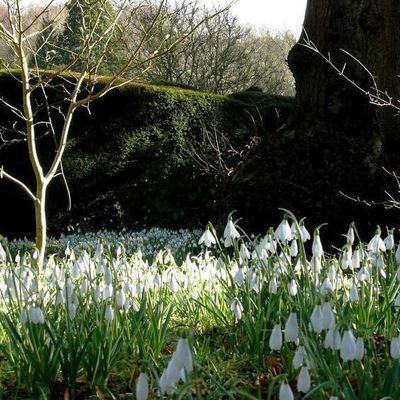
128 162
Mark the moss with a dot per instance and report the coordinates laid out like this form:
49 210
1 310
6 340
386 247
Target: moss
127 162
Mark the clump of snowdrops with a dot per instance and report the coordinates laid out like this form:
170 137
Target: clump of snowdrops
270 317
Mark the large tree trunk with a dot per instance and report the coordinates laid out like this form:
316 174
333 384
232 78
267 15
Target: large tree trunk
370 31
337 141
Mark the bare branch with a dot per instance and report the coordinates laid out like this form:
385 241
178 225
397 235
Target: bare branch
5 175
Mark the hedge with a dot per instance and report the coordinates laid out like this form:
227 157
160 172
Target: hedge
128 163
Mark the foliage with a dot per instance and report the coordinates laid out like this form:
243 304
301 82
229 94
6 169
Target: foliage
280 312
128 163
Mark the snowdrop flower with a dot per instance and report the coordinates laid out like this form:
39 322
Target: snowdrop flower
230 233
142 387
291 328
299 357
346 259
237 309
333 340
363 275
273 286
292 287
304 234
348 348
350 234
244 253
294 250
317 250
238 278
109 313
326 287
3 255
397 255
285 392
389 240
397 301
356 259
353 295
207 238
395 348
184 356
316 319
23 317
120 298
359 349
304 380
60 297
316 265
328 317
283 231
275 340
35 315
376 244
108 291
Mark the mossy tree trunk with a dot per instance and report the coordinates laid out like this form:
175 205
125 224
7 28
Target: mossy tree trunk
370 31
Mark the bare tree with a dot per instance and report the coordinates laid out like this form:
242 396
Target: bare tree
51 98
221 56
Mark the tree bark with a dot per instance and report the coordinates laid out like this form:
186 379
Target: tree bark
370 31
41 224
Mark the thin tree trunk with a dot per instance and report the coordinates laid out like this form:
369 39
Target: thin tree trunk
41 224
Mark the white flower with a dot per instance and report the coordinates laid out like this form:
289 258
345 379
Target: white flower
353 295
273 286
275 340
109 313
35 315
292 287
363 275
304 234
3 255
294 250
348 349
359 349
184 356
299 357
356 259
304 380
316 319
238 278
328 317
120 298
244 253
317 250
207 238
292 328
346 259
230 233
326 287
142 387
316 265
397 255
395 348
23 317
376 244
350 234
237 309
389 240
283 231
333 340
285 392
